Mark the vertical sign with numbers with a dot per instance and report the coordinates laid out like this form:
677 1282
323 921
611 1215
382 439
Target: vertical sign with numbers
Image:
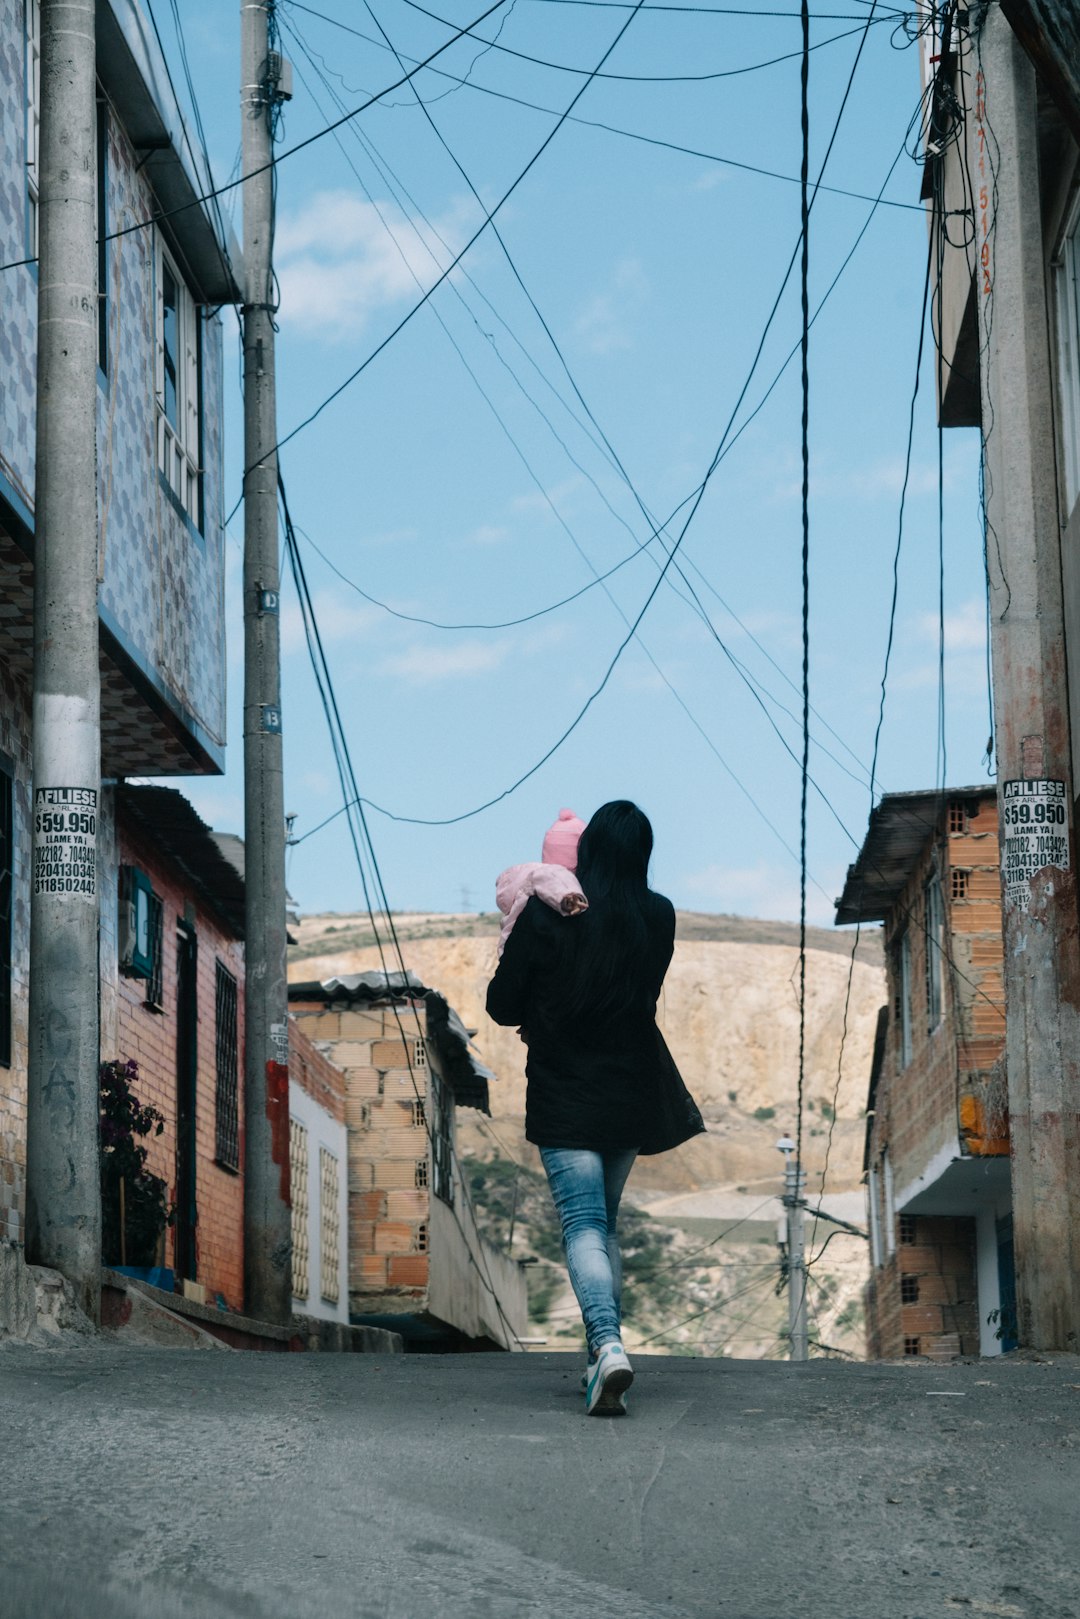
1036 835
65 841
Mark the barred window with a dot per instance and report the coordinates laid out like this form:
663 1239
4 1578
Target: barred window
329 1227
7 860
959 882
957 816
419 1115
178 385
911 1346
907 1228
419 1054
909 1290
155 983
227 1125
422 1238
298 1171
420 1174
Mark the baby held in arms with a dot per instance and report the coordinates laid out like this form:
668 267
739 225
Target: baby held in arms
550 879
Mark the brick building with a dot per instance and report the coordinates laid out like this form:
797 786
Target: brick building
172 998
937 1139
161 552
417 1263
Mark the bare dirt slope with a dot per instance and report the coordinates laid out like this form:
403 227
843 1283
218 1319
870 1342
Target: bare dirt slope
729 1012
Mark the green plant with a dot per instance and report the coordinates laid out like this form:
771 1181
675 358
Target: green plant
125 1180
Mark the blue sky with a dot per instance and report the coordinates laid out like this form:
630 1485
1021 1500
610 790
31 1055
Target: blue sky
481 497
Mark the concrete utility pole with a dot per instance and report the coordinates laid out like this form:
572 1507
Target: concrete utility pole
63 1197
1042 954
267 1221
795 1204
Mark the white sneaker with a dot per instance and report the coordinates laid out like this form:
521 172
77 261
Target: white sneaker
609 1377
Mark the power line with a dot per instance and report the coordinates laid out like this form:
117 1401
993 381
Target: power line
289 151
639 78
611 129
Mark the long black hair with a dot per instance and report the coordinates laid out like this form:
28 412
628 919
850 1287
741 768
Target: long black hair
607 945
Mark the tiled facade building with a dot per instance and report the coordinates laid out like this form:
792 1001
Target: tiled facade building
161 540
937 1141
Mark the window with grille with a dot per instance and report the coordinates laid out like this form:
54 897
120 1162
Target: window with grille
32 22
7 861
909 1290
907 1228
419 1115
957 816
422 1238
329 1227
178 385
155 983
911 1346
419 1054
959 883
226 1121
298 1170
442 1140
420 1174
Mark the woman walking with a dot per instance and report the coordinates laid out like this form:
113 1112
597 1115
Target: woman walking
602 1086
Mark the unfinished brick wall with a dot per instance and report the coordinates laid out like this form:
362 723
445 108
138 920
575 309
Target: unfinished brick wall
149 1037
389 1158
951 1094
315 1073
923 1301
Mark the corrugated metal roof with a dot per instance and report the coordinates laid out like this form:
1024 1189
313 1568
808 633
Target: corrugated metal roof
900 827
166 819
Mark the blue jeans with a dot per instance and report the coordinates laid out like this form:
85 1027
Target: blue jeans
586 1188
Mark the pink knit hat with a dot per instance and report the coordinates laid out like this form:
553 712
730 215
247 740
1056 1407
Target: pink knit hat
561 841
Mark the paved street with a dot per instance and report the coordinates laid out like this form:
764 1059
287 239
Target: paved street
158 1483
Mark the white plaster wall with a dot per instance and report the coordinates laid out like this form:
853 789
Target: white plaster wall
323 1131
987 1279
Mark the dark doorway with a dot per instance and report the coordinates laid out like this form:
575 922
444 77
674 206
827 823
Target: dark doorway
187 1070
1007 1284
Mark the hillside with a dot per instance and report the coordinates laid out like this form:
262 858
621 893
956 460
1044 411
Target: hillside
700 1234
729 1013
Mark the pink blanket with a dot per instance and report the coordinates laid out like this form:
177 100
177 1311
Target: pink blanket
555 885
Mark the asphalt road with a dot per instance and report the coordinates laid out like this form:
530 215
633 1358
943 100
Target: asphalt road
155 1484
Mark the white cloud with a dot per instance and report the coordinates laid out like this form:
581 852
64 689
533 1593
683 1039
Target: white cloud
423 665
337 262
339 619
602 324
965 651
538 500
487 534
763 890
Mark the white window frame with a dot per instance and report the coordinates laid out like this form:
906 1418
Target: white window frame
890 1206
32 59
873 1194
1066 271
935 951
178 442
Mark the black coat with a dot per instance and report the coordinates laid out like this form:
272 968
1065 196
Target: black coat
599 1083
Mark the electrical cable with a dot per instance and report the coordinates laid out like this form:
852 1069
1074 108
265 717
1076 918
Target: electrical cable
642 78
611 129
347 778
290 151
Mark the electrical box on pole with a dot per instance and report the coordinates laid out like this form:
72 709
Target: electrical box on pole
267 1217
